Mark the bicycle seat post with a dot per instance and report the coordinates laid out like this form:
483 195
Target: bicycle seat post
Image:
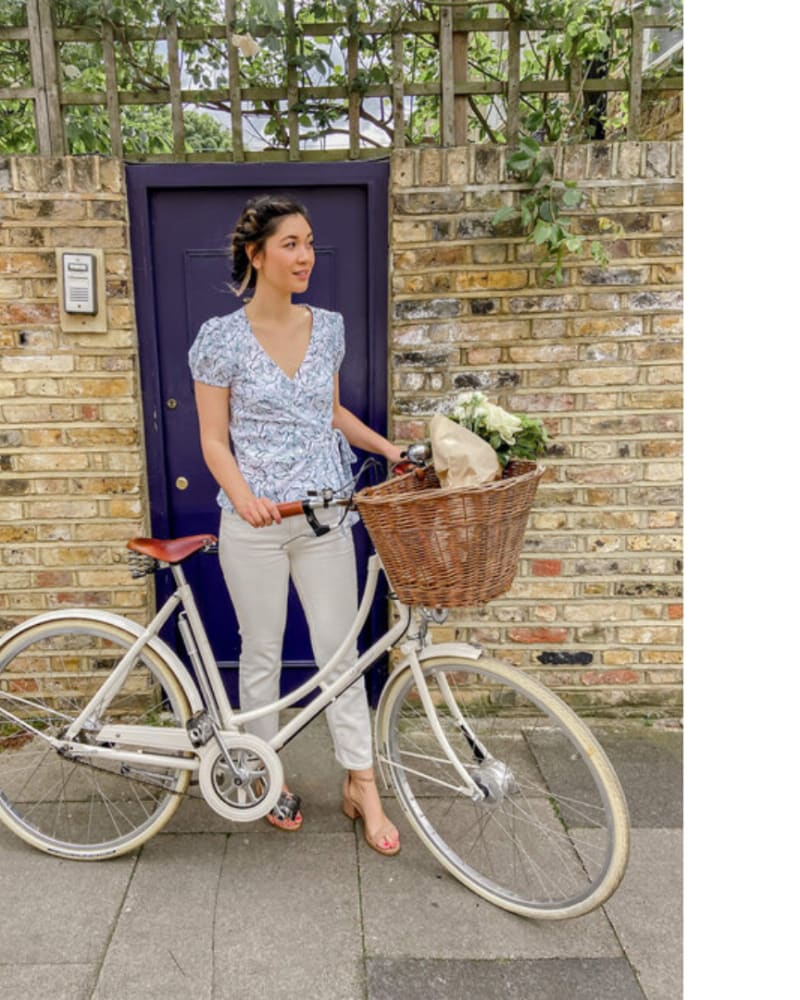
199 650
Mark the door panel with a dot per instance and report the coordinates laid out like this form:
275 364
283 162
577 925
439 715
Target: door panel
181 217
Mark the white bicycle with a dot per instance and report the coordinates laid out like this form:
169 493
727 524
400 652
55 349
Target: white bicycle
102 728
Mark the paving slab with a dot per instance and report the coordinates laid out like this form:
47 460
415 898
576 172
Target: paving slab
431 915
647 912
225 911
48 982
57 911
649 763
288 919
163 941
521 979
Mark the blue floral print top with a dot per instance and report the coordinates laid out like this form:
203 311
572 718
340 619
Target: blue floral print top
280 427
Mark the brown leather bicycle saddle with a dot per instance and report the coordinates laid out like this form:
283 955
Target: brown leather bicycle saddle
171 550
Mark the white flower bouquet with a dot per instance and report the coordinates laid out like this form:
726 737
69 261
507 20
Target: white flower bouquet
511 435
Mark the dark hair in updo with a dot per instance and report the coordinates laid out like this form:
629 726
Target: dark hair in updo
257 223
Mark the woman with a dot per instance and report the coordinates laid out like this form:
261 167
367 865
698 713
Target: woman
266 379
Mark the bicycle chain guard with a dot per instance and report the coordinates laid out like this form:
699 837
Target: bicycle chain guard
252 788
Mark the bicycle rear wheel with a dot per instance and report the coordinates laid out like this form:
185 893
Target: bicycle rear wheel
85 808
548 837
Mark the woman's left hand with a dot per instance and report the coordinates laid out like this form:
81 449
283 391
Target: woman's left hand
393 454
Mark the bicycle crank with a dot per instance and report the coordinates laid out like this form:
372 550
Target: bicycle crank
243 781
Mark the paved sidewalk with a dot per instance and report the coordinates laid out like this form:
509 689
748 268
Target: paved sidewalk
211 910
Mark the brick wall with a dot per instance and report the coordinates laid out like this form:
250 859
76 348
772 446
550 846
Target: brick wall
596 611
662 117
72 473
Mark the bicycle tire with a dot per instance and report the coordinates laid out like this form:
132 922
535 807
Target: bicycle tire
84 810
549 837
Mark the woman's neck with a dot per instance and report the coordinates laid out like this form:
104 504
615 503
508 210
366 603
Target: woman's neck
270 305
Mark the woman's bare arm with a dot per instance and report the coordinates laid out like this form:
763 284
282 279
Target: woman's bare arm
213 408
357 432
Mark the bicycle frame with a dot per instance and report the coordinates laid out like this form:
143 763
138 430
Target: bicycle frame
155 746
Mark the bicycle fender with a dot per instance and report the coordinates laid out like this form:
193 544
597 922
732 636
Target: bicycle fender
134 629
439 649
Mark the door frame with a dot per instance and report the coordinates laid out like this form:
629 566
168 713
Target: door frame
143 179
371 175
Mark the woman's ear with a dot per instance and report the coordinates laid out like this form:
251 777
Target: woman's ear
253 254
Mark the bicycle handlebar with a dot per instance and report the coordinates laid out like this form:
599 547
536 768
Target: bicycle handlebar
291 508
414 457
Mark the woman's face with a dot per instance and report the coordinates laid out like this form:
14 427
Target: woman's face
286 259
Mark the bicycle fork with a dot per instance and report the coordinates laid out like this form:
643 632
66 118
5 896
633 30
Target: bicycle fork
471 788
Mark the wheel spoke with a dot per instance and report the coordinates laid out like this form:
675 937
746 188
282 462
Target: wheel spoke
83 807
521 847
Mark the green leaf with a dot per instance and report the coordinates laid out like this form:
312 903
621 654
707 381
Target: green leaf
530 146
572 197
504 213
542 232
519 162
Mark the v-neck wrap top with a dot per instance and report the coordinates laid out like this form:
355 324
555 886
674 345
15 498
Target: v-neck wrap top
280 427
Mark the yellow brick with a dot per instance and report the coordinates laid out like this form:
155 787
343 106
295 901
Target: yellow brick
10 510
649 635
60 510
27 364
597 612
104 578
124 508
475 280
53 462
653 400
67 555
618 657
602 376
662 656
10 288
654 543
663 472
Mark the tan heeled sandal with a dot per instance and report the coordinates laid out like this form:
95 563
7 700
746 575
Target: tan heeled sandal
388 846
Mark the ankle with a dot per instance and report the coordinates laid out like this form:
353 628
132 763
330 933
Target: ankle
360 779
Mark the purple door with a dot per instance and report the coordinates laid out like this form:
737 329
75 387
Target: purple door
181 216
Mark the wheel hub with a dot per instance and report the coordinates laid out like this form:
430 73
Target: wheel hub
496 780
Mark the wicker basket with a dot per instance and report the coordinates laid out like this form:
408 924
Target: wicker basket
450 548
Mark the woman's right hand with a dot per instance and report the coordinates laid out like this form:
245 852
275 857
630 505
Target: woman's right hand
257 511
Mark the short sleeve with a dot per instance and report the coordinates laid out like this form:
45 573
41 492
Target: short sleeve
338 342
212 359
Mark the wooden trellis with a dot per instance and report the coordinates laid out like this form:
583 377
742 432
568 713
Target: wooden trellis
453 89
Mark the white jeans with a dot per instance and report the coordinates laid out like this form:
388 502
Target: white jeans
257 564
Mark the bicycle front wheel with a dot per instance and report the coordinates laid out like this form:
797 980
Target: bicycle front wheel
82 808
547 834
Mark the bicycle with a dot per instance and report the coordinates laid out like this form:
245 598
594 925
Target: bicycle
503 782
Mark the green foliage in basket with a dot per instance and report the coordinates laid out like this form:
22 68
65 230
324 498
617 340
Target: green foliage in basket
512 435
